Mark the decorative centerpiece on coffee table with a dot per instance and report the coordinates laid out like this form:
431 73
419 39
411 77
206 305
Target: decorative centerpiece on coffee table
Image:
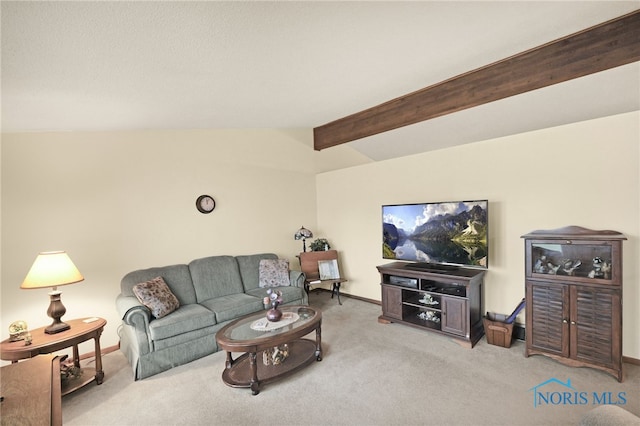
273 298
275 355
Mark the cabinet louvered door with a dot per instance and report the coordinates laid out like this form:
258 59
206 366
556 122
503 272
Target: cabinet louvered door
547 318
595 317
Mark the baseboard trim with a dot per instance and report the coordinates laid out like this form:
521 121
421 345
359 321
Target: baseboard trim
518 329
103 351
519 334
364 299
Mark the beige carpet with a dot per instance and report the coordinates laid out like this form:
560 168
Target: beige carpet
371 374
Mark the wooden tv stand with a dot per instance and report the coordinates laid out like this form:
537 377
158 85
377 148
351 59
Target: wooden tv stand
448 301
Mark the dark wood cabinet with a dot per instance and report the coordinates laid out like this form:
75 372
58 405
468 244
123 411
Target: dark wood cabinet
443 300
573 286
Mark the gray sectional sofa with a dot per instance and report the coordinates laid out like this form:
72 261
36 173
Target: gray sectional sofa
211 291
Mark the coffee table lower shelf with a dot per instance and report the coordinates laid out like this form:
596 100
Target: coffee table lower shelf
302 352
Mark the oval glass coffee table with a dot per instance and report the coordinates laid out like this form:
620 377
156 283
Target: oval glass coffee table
272 350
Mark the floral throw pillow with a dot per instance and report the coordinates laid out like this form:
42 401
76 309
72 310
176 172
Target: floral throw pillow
274 273
156 295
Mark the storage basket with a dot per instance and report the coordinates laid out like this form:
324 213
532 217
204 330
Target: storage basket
498 332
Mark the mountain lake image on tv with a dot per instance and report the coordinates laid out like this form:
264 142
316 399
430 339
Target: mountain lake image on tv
445 233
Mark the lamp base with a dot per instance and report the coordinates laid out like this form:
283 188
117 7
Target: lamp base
56 311
57 327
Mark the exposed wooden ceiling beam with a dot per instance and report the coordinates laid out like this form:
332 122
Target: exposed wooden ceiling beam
608 45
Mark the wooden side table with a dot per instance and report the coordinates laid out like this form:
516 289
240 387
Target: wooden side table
309 264
335 286
81 330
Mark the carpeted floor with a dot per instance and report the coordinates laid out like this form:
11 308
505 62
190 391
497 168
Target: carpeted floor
371 374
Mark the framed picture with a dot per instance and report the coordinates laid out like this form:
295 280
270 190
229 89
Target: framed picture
328 269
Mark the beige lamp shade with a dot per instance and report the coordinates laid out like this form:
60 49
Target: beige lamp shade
52 269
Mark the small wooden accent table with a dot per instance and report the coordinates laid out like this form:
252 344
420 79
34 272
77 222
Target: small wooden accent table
43 343
247 371
334 283
31 392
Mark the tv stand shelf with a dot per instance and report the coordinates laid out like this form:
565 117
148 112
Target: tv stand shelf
446 301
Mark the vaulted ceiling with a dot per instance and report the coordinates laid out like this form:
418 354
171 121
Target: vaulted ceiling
96 66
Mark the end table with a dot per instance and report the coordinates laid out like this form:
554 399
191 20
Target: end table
36 401
81 330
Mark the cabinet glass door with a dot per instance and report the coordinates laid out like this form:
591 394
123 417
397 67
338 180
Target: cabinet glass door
571 259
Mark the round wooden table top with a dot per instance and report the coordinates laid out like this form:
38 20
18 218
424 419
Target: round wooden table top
42 343
239 336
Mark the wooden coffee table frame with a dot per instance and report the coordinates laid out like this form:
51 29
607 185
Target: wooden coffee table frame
247 371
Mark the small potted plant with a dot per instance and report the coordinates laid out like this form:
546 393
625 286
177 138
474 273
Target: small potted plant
320 244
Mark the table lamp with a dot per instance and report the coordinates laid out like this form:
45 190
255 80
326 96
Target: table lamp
302 234
53 269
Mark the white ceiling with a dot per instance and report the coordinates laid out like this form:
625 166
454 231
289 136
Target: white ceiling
95 66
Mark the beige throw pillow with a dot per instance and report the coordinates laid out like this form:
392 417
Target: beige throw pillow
274 273
156 295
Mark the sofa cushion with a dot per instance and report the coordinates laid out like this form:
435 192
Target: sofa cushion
215 276
274 273
177 278
249 268
185 319
156 295
289 294
233 306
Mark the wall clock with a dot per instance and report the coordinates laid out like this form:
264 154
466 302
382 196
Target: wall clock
205 204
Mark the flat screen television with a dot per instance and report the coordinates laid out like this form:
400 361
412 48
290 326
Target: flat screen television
442 235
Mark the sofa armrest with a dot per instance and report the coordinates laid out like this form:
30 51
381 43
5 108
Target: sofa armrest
296 278
136 315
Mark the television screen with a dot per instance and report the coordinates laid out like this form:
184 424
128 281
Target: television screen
444 233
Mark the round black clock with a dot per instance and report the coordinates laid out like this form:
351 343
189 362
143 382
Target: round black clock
205 204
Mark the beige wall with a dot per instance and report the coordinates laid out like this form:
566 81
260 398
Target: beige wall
123 201
118 201
584 174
